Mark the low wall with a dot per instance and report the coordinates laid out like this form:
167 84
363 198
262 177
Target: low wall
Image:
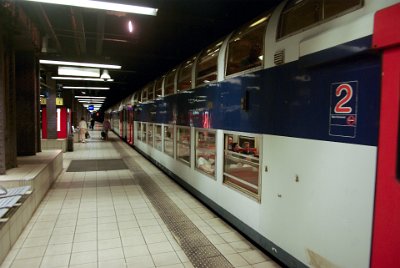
39 171
52 144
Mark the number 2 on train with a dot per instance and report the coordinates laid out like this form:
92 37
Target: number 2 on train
340 107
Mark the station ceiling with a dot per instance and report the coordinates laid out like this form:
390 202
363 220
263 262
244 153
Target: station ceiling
157 44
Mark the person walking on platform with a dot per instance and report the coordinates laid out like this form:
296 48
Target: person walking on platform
82 130
92 124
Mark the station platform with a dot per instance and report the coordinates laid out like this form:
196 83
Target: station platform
110 207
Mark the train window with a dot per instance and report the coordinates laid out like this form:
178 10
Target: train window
301 14
183 144
335 7
135 98
144 95
185 76
158 88
158 137
245 48
206 69
150 91
241 163
169 84
144 132
139 131
169 136
205 151
150 134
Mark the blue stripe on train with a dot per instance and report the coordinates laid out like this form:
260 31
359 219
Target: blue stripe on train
288 100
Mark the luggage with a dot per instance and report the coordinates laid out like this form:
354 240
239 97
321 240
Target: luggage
87 135
103 134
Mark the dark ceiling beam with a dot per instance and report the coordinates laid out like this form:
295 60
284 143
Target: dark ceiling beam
48 27
100 33
79 31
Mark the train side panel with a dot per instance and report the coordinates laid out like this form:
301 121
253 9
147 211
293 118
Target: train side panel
318 199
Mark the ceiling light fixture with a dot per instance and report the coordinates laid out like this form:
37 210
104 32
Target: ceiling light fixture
79 71
80 78
93 88
103 5
82 64
105 75
97 100
90 101
89 97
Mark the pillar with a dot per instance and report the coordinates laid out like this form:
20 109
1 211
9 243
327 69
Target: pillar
8 147
27 99
51 108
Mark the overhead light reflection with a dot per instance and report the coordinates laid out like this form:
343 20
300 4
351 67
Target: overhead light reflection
80 78
89 97
93 88
83 64
103 5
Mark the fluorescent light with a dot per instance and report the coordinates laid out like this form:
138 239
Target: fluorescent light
99 100
130 26
79 71
80 78
94 88
89 97
83 64
103 5
91 102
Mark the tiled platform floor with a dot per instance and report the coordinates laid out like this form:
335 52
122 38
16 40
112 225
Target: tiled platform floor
104 219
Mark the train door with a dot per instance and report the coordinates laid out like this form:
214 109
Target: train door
386 228
130 126
125 124
121 123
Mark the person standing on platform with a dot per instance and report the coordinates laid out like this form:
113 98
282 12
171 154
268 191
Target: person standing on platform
106 128
82 130
92 124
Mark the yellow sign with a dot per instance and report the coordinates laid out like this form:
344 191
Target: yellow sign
59 101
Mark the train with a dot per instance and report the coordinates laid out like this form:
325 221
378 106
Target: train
288 128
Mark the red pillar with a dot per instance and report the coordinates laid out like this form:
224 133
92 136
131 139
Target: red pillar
386 228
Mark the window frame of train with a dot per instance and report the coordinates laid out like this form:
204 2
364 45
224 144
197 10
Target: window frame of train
139 132
243 160
167 129
169 83
158 137
208 158
243 44
294 19
150 134
179 143
144 95
150 91
206 72
144 132
158 88
184 81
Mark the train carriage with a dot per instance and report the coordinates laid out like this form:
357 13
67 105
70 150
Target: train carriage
288 129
